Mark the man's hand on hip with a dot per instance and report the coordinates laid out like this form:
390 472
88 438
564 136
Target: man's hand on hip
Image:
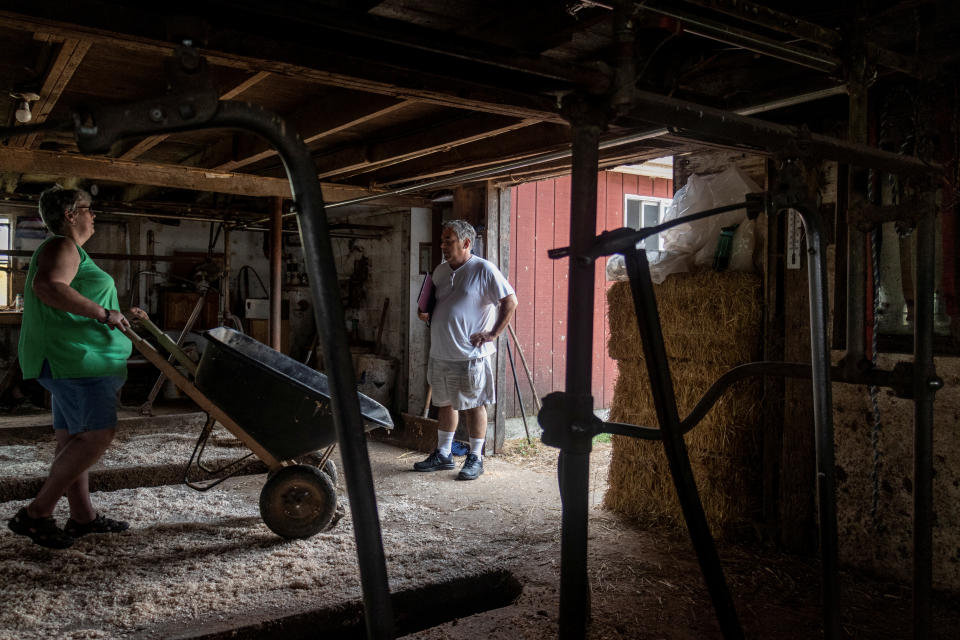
478 339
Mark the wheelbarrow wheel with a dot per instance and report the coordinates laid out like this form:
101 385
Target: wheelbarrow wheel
298 501
313 459
329 467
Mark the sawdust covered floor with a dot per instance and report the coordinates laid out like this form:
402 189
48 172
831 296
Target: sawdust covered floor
196 562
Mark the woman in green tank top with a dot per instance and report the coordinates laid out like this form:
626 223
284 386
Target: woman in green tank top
70 343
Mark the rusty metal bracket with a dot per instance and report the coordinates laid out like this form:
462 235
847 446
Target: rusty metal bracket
192 100
866 216
568 422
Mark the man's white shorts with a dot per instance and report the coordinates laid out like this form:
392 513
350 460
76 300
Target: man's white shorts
462 384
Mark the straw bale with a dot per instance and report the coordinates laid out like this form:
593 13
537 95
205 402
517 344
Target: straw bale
641 487
704 339
731 427
705 316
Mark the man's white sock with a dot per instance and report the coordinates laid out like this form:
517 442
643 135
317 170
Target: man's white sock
476 447
445 441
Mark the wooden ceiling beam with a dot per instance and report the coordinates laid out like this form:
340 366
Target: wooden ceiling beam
159 175
317 121
533 26
505 148
150 142
72 51
365 157
308 60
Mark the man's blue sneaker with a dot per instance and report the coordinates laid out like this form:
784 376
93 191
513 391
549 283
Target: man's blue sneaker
434 462
472 468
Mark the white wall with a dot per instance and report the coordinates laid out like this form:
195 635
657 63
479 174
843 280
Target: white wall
246 248
418 339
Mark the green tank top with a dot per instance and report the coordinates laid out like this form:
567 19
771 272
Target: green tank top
75 346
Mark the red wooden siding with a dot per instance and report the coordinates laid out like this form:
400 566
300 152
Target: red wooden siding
540 221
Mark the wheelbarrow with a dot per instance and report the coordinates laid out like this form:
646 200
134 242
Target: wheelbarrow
277 407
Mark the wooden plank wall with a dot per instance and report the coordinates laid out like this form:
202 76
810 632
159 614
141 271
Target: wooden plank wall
540 213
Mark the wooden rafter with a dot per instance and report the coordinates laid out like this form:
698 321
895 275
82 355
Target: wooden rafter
160 175
303 62
317 121
72 51
505 148
150 142
365 157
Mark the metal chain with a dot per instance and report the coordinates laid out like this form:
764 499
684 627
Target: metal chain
874 390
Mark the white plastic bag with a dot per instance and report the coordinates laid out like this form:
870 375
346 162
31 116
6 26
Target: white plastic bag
695 243
744 243
729 187
616 268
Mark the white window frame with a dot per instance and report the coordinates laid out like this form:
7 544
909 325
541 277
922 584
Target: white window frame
663 203
6 262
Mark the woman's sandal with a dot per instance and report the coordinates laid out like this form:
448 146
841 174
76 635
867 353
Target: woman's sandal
100 524
43 531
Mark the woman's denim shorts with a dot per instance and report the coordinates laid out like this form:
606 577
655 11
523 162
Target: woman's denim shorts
82 404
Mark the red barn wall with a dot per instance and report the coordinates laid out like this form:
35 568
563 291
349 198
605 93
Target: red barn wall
540 220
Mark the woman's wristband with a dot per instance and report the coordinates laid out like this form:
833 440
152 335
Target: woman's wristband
106 316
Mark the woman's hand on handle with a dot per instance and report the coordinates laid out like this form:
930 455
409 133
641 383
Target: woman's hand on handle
115 319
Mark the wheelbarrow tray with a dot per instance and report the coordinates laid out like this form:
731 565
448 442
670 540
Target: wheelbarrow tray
280 403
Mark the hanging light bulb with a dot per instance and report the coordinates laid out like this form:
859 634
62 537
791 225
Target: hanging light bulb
23 113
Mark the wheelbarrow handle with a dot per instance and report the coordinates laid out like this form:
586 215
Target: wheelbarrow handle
165 341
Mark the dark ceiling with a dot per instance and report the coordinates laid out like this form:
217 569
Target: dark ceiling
402 93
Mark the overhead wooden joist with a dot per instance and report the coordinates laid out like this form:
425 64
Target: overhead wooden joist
506 148
170 176
71 53
139 29
316 121
454 133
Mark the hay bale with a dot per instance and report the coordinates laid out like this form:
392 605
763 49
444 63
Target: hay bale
724 448
731 426
705 317
642 488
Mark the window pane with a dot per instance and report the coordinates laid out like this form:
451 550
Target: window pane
651 214
633 214
4 260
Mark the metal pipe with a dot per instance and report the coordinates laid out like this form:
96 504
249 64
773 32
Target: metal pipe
856 336
876 377
769 18
925 387
566 153
328 314
721 32
823 418
276 271
741 130
143 257
574 464
665 403
225 313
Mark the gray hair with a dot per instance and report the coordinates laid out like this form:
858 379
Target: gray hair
57 201
463 229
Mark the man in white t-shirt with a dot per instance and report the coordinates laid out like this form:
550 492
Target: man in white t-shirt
474 305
